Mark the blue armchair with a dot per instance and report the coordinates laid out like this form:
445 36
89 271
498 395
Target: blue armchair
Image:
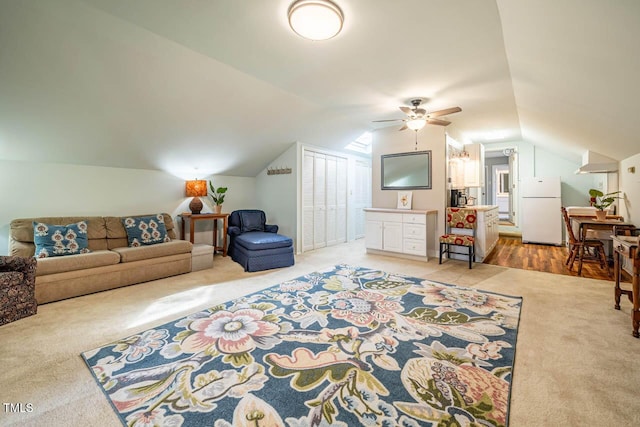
256 245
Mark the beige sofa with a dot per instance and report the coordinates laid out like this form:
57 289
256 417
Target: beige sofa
110 264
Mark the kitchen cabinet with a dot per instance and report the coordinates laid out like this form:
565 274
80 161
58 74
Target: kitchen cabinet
468 172
487 231
399 232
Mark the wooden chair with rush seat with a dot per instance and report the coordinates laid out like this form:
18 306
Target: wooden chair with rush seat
460 218
583 250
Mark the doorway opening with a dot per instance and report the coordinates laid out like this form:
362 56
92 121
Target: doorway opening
501 175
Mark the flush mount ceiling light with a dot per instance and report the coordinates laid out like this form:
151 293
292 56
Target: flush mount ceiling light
315 19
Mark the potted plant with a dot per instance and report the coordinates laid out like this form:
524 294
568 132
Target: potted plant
217 195
602 201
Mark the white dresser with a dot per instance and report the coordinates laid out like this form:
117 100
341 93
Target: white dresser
403 233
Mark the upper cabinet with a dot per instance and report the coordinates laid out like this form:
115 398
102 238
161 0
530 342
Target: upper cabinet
467 170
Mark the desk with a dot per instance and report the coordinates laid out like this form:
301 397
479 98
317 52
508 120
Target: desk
208 216
627 246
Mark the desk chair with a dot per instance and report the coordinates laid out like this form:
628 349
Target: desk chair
581 249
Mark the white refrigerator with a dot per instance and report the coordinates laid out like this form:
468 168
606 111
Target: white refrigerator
541 215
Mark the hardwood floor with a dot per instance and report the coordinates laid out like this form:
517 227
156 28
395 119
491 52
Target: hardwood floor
511 252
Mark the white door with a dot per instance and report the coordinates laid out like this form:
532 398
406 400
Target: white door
324 200
307 201
362 196
341 202
513 193
319 201
331 199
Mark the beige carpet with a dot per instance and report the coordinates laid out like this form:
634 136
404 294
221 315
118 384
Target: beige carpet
576 361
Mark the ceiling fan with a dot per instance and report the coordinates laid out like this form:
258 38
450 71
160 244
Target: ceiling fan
418 117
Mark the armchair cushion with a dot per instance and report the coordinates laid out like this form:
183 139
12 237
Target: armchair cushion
252 220
260 240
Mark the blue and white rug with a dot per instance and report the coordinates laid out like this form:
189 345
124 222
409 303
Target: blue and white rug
344 347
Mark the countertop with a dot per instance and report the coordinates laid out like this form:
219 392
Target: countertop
482 208
410 211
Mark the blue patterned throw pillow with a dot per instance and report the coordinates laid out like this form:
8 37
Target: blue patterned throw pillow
59 240
145 230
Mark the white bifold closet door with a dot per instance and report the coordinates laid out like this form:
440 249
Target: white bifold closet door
319 201
362 196
324 194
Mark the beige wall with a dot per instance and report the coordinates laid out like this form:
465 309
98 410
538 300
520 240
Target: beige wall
32 189
389 141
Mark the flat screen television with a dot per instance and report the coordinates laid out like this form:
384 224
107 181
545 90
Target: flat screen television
406 171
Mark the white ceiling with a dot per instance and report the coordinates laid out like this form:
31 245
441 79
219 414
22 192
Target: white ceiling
224 86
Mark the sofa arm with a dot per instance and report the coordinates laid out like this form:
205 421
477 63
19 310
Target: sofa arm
270 228
233 230
27 266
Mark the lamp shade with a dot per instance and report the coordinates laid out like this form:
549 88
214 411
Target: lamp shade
196 188
315 19
416 124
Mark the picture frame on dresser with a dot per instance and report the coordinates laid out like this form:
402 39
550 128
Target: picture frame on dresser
404 199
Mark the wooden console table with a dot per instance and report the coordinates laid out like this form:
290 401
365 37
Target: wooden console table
208 216
627 247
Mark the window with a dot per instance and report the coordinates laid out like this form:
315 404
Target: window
362 144
503 182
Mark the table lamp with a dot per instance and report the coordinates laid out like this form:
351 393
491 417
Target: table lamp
195 189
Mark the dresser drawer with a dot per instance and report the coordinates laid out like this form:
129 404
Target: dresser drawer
384 216
414 231
414 219
414 247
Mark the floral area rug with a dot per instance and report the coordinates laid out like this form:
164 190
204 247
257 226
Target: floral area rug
345 347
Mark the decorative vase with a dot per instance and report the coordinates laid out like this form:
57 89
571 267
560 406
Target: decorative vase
601 215
217 209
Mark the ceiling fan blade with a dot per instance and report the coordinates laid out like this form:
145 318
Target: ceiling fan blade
388 120
403 127
406 110
444 112
438 122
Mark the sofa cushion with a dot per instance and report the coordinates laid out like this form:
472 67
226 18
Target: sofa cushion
173 247
59 240
257 240
76 262
252 220
145 230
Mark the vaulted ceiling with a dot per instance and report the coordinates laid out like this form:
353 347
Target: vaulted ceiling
224 86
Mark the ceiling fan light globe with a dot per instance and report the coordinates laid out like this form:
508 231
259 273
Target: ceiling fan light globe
416 124
315 19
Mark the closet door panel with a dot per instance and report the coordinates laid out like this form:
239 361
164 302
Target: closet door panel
341 202
319 201
331 199
307 201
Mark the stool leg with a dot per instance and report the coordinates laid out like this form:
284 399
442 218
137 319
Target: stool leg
441 249
470 257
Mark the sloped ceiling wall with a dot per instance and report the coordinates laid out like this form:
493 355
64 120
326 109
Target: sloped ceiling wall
224 86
